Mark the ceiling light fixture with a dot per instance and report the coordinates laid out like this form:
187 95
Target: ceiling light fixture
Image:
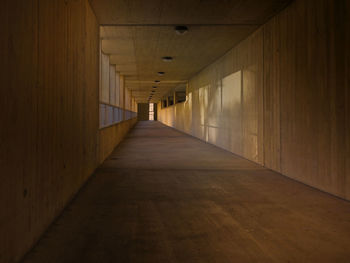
157 81
181 30
161 73
154 87
167 59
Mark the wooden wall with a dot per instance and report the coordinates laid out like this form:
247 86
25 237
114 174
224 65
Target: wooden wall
49 114
111 136
306 86
286 104
225 102
142 111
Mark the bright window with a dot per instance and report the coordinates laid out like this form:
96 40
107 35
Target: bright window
151 112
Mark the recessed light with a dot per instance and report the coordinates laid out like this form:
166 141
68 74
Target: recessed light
157 81
154 87
181 30
167 59
161 73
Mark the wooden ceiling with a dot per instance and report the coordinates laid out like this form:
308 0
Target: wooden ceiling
138 33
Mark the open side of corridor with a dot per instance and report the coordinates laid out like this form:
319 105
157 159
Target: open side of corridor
163 196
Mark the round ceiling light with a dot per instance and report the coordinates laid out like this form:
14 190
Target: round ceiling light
161 73
181 30
157 81
167 59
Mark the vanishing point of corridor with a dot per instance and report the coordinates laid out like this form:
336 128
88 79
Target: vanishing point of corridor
164 196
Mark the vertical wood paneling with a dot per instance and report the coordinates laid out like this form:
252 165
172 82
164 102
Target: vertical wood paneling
251 57
112 85
111 136
294 110
117 89
143 111
347 96
305 64
225 102
338 83
272 137
122 94
91 122
18 68
105 67
49 108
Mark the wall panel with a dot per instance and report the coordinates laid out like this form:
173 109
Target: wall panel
143 111
105 68
272 114
347 98
112 85
291 110
121 92
49 111
305 64
111 136
117 89
225 102
18 75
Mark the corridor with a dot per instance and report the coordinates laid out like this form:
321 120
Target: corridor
164 196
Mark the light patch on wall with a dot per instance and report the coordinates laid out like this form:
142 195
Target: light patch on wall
203 108
250 111
112 85
188 112
231 89
231 111
104 95
189 98
151 112
214 113
117 89
203 103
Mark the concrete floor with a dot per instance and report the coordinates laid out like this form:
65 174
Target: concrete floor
163 196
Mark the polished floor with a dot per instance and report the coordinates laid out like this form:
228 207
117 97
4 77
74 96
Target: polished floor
163 196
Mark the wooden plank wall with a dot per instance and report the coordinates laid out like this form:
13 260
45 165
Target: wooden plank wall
293 114
143 111
306 61
49 114
111 136
227 116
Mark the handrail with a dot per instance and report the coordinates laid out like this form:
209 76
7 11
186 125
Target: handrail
111 114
